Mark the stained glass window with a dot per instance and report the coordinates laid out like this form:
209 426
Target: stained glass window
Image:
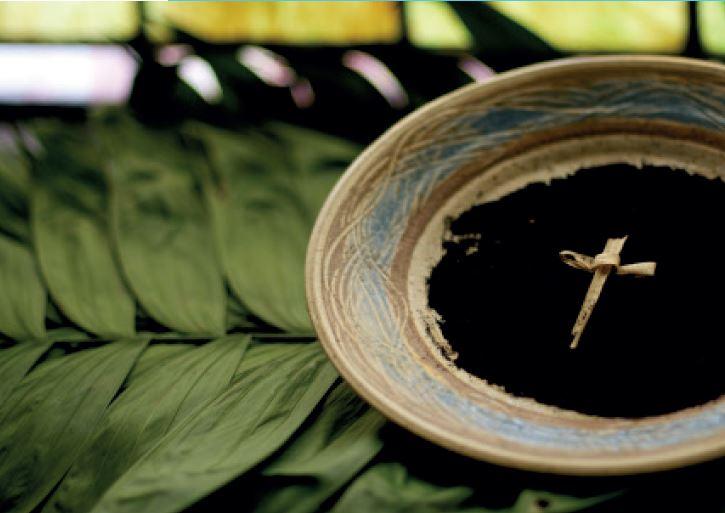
604 26
284 22
569 26
68 21
711 16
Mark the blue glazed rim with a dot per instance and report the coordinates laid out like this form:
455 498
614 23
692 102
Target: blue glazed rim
360 315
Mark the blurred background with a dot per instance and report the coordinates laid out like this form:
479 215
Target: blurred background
348 68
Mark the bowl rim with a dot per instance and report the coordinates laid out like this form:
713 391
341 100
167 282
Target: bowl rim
665 459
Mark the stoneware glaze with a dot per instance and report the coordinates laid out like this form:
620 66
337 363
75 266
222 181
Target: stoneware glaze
380 232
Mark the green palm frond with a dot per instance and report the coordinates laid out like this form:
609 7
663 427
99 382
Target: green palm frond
158 352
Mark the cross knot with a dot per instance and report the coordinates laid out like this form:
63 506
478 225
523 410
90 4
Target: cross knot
601 265
606 259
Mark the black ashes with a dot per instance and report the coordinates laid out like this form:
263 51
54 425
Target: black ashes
654 345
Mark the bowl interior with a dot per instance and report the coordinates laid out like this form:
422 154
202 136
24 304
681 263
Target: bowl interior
380 233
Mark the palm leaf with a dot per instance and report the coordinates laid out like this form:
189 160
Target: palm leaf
251 202
160 396
23 297
534 501
316 159
68 218
148 225
387 488
14 185
15 362
341 441
261 409
238 315
160 229
268 190
50 416
157 355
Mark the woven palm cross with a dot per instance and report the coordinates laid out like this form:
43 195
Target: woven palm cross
601 265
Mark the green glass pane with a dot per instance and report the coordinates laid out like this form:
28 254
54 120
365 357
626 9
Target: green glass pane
68 21
278 22
604 26
711 17
435 25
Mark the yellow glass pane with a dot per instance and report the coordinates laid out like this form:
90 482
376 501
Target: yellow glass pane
283 22
711 16
435 25
68 21
604 26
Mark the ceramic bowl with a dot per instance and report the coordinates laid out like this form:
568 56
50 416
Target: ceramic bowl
380 233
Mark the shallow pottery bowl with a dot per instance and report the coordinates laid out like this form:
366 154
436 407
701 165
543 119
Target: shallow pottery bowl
380 233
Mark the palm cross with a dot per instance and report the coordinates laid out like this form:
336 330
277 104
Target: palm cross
601 265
